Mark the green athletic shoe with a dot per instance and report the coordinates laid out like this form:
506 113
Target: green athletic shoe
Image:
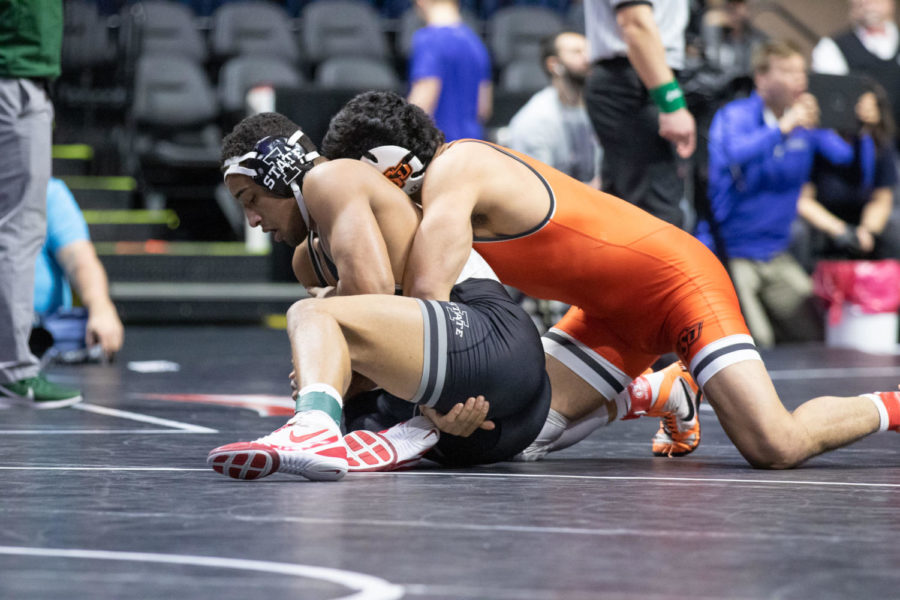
40 393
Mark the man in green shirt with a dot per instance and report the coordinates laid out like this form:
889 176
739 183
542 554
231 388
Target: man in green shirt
30 46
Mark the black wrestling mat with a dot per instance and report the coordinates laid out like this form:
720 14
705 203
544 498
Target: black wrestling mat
113 499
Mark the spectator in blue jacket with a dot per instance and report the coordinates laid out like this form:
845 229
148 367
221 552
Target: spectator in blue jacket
761 150
450 71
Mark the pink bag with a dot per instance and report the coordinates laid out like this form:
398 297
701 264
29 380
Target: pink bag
873 285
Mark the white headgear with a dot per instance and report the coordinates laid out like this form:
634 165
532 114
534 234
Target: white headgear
399 165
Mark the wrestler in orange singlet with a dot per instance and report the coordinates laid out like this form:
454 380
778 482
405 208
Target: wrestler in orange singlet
641 287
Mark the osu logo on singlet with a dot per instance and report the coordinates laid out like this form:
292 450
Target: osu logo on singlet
688 336
398 174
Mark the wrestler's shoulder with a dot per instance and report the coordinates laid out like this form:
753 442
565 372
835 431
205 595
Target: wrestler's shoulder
466 156
340 173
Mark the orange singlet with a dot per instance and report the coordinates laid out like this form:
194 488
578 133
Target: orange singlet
639 287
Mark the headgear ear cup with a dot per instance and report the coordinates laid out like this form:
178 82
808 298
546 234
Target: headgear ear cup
279 165
399 165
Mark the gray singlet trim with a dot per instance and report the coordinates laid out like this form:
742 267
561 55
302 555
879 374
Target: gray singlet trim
434 360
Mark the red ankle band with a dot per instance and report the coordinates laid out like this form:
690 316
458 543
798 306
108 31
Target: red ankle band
891 402
641 395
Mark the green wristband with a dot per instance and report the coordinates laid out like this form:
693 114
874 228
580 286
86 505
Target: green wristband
668 97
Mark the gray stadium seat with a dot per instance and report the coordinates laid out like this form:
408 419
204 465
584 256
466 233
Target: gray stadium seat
174 113
517 31
506 104
523 75
342 28
357 72
253 27
91 80
86 42
161 27
172 91
575 17
241 73
312 107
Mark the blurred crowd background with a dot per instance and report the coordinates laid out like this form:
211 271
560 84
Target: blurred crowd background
149 88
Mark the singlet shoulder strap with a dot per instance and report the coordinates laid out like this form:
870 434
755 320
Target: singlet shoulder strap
320 262
314 258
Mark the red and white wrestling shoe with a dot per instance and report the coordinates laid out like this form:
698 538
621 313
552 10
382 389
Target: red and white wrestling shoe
310 445
401 446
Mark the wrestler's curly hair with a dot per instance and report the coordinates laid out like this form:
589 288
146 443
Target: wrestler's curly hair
378 119
247 133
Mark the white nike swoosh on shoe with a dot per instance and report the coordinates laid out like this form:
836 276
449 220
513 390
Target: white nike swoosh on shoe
690 399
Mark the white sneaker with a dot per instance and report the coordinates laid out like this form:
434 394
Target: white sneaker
310 445
401 446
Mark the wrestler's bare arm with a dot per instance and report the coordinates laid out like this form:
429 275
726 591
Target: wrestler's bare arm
444 240
648 57
339 205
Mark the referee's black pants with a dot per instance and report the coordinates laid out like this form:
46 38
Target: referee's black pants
638 165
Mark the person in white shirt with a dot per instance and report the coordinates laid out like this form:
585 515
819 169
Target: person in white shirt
636 105
553 126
